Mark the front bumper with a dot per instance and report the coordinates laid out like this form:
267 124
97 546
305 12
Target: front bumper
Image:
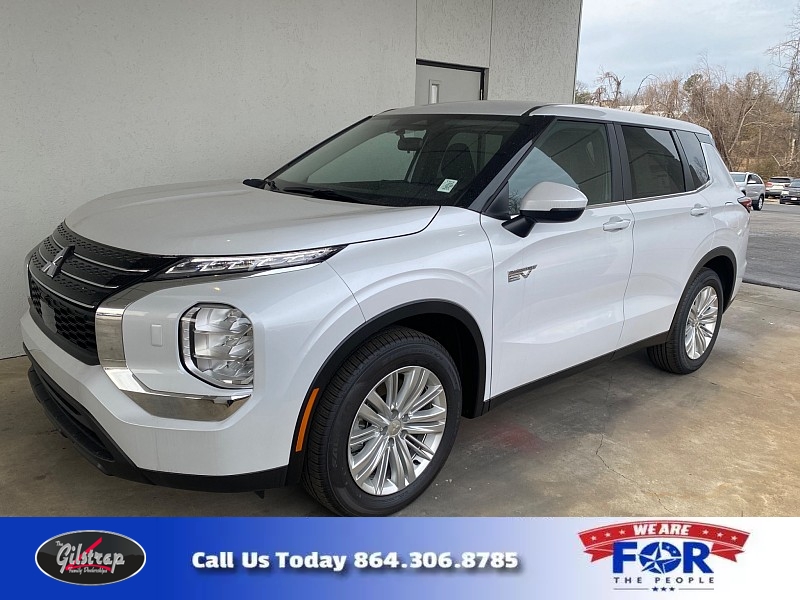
90 439
255 443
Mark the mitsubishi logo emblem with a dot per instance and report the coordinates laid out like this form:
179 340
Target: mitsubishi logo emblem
52 267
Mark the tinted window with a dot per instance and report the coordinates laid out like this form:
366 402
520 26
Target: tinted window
656 168
575 154
737 177
409 160
695 158
376 159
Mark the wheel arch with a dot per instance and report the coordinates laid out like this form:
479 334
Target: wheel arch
448 323
722 261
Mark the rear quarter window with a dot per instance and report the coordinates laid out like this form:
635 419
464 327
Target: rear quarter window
697 163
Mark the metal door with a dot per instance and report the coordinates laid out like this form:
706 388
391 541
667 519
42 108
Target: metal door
447 84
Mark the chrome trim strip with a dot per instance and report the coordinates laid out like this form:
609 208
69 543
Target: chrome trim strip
55 293
99 264
107 266
87 282
649 198
604 204
75 277
173 405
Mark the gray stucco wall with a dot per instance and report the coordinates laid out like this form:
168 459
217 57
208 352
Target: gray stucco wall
534 49
98 96
529 46
104 95
454 31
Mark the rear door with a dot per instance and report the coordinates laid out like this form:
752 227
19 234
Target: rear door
674 227
559 291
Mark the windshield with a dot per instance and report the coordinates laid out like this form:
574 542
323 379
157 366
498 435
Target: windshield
409 160
738 177
795 183
779 180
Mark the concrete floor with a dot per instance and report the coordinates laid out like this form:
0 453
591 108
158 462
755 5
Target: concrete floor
622 439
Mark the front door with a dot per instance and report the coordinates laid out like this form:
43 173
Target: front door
559 292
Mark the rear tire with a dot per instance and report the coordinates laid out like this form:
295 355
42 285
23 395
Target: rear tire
759 203
385 425
694 328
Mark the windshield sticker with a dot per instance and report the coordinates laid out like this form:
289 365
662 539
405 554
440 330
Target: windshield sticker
447 185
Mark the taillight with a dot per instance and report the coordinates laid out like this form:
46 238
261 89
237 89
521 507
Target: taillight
769 184
747 203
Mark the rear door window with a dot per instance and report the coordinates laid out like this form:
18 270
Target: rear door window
656 168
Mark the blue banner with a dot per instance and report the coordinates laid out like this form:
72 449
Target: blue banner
399 557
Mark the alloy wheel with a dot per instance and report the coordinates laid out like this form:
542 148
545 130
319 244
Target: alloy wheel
397 430
702 322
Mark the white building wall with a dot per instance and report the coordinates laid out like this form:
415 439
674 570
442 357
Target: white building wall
534 49
98 96
454 31
103 95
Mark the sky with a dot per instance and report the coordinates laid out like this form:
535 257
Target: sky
634 38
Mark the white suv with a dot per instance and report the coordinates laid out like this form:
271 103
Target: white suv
331 324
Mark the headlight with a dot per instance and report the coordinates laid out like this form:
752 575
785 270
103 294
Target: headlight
217 345
215 265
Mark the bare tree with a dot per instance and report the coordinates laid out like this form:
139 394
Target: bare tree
609 90
786 57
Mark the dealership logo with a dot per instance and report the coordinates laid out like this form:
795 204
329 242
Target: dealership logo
90 557
663 556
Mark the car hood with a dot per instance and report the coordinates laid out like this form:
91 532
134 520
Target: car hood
228 217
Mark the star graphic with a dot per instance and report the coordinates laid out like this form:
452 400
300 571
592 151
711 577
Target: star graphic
719 535
663 589
655 589
671 589
594 538
622 532
608 534
705 531
734 538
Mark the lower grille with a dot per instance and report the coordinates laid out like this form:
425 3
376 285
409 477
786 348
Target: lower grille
66 301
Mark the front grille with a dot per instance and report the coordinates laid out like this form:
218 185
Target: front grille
75 324
88 274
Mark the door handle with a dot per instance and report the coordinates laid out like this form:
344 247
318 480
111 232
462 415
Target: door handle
698 210
616 224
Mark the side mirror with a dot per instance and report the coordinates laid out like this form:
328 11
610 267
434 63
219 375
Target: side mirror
548 202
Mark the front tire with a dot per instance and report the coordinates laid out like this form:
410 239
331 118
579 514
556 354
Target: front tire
385 425
694 328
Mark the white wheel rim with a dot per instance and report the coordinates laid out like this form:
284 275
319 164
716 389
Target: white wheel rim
397 430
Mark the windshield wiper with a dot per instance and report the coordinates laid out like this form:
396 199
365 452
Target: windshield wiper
323 193
261 184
